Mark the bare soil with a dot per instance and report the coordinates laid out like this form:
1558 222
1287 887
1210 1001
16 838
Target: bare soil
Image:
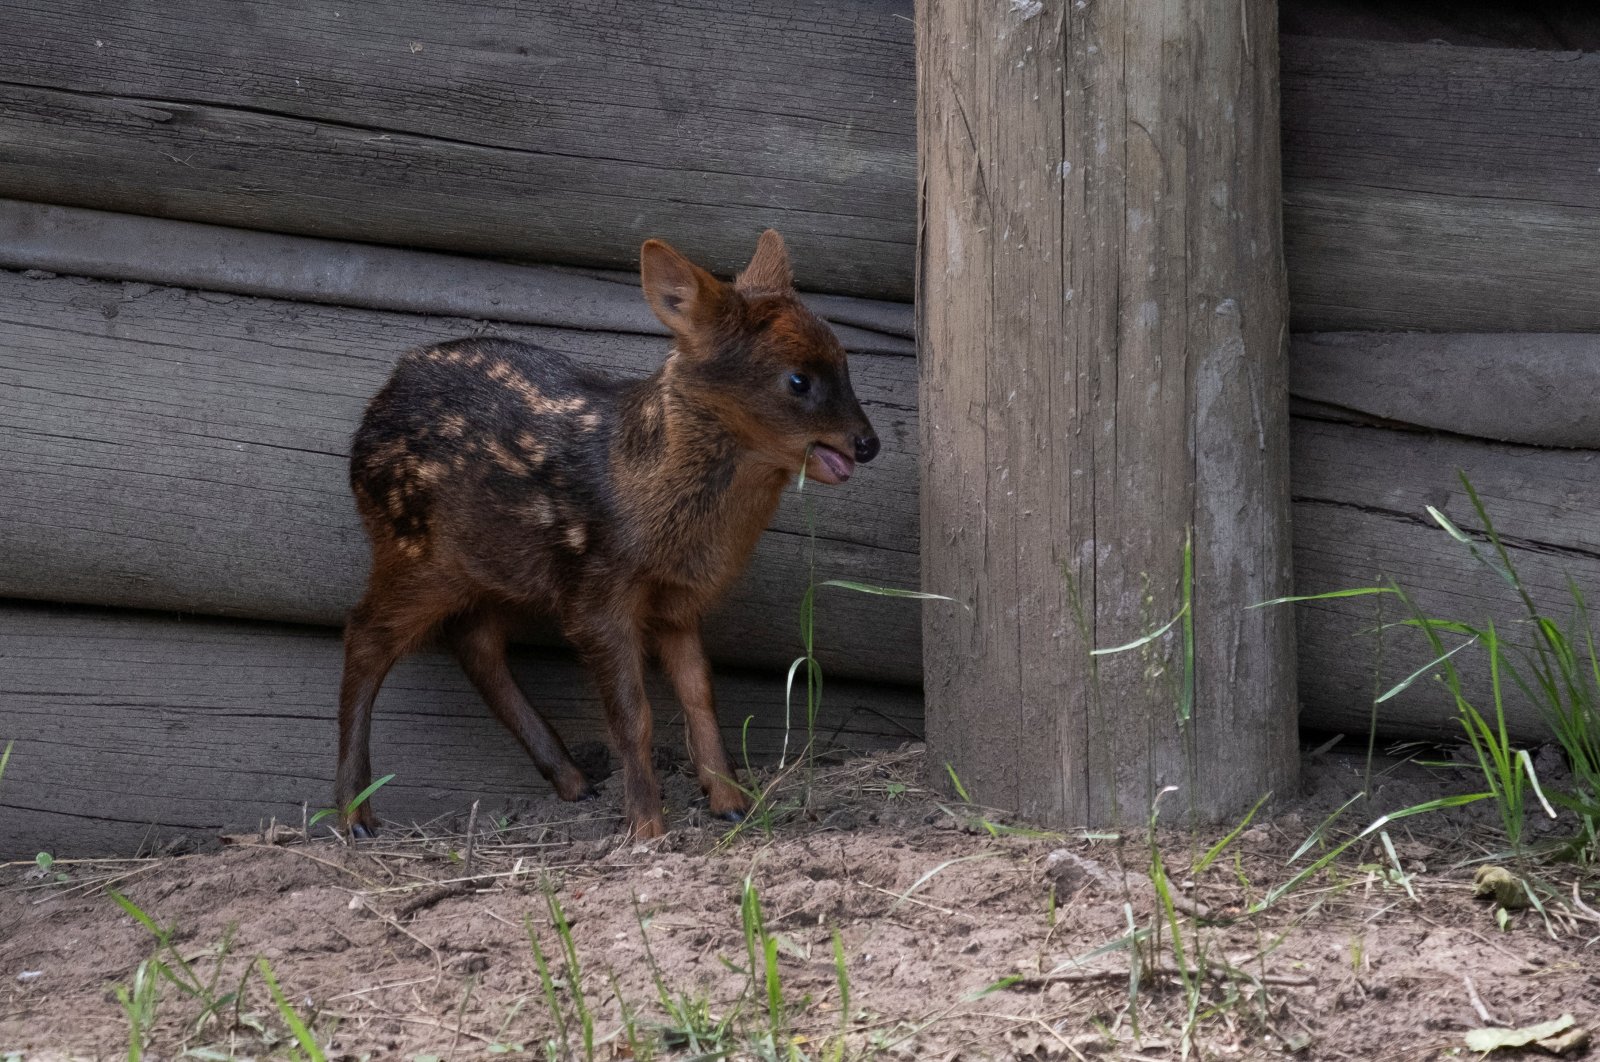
398 949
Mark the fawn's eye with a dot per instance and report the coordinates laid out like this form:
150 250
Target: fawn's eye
799 383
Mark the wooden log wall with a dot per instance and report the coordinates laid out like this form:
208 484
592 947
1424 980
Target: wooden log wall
1426 185
187 451
133 728
548 132
182 449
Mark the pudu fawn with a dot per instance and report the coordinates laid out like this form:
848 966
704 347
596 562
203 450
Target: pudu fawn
497 477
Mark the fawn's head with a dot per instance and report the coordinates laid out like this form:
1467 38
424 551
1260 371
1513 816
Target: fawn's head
769 368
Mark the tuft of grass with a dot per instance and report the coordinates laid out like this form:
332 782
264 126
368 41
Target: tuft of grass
1558 673
581 1015
139 1002
141 999
842 978
690 1026
762 948
168 964
291 1018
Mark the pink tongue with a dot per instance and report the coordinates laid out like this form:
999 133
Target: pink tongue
837 464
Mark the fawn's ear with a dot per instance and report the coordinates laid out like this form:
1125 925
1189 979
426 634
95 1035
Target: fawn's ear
768 272
685 297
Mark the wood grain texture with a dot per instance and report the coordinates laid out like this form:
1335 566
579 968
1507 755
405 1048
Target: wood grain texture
1425 186
185 254
1360 497
132 728
1463 23
1535 388
187 451
1102 326
553 132
1437 188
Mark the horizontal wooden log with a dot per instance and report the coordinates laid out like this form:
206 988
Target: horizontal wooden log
1360 497
1534 388
132 728
1438 188
97 243
556 132
1462 23
1425 186
187 451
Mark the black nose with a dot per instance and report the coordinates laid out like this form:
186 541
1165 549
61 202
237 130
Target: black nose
866 448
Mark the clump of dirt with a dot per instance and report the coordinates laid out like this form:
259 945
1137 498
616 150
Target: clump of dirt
961 935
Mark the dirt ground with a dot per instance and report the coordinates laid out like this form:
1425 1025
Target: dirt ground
963 936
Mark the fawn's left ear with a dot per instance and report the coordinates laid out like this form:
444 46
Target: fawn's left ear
768 272
685 297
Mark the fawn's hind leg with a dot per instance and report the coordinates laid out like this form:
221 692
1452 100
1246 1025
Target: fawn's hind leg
479 641
390 621
684 660
614 656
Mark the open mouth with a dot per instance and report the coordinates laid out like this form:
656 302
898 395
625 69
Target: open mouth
827 465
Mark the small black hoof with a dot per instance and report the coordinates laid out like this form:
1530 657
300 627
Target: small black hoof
359 832
589 793
732 816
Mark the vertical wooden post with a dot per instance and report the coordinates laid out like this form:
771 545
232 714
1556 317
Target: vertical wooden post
1102 316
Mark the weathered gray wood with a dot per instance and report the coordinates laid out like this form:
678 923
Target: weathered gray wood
1426 186
97 243
556 132
1535 388
1466 23
1450 189
1102 323
1360 497
187 451
873 315
133 727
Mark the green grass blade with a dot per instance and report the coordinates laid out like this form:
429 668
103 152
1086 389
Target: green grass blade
1217 849
842 975
569 950
1146 640
547 983
884 591
1317 834
961 790
930 875
990 989
302 1034
788 705
1331 595
138 915
363 796
1406 683
1126 942
1533 780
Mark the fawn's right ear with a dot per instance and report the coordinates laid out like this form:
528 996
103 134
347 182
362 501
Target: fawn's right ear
685 297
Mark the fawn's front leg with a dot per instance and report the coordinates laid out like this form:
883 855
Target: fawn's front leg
683 658
614 656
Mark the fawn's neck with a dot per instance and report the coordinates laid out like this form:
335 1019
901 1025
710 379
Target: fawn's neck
697 496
